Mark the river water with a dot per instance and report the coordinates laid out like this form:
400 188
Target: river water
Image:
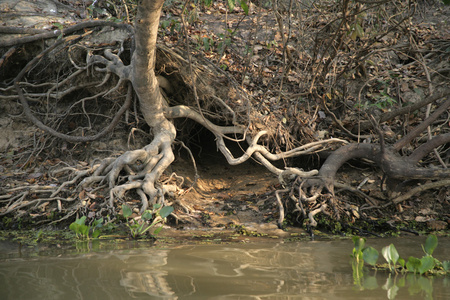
257 270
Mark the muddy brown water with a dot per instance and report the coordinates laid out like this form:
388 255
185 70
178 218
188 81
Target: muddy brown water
257 270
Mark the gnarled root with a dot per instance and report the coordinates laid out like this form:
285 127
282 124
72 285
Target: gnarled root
307 196
316 194
137 169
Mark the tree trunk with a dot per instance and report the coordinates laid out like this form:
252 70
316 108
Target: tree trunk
146 87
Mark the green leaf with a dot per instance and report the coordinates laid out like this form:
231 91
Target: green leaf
359 243
401 261
390 254
147 215
231 4
359 31
81 220
98 223
84 230
206 44
244 6
126 210
352 32
386 254
165 211
446 2
134 226
157 230
59 25
207 2
140 228
394 254
430 244
165 23
74 227
426 264
413 264
370 255
96 233
446 265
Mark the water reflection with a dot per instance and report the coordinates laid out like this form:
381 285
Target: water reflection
306 270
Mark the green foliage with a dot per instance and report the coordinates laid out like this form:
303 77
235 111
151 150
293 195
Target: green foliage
430 244
232 4
39 235
391 256
244 6
171 24
417 284
60 27
358 249
225 40
148 220
381 98
414 265
384 100
365 254
370 256
446 265
426 264
421 266
360 255
84 231
356 30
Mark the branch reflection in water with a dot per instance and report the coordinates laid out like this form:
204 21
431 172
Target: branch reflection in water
300 270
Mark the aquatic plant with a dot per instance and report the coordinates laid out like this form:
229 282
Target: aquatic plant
424 265
149 219
83 230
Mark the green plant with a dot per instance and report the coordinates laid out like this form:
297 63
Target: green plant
231 4
383 100
415 265
60 27
391 255
364 254
171 24
356 30
428 262
83 230
39 236
225 40
139 226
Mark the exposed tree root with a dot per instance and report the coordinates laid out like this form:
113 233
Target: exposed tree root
318 192
143 172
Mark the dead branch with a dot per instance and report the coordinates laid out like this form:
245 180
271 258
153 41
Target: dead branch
40 34
418 189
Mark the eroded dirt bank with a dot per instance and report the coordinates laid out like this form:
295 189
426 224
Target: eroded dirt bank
242 199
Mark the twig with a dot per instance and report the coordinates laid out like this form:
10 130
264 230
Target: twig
418 189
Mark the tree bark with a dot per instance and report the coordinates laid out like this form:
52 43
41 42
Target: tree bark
151 100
